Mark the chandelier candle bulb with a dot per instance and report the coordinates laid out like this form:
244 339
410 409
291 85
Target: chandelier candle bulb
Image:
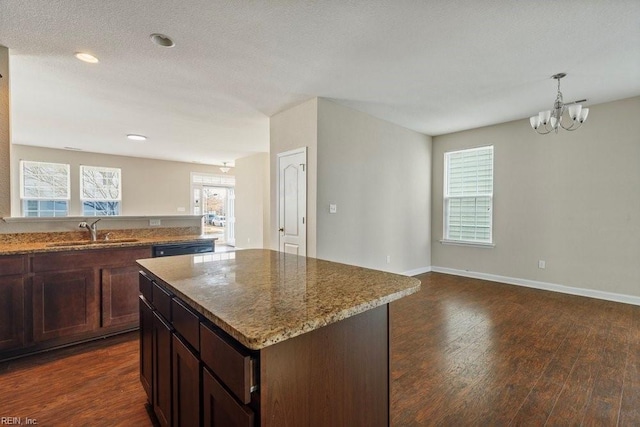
574 111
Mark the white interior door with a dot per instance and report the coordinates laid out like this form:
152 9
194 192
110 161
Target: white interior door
292 196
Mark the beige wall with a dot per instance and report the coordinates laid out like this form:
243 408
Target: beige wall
252 201
295 128
571 199
149 187
5 138
378 174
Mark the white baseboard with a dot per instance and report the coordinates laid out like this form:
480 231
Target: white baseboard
417 271
609 296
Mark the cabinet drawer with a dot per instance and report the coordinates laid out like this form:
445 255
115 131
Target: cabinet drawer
186 322
232 364
12 265
146 287
220 408
162 301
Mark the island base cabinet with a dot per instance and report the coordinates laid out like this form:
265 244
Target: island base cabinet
337 375
220 409
146 348
162 370
186 386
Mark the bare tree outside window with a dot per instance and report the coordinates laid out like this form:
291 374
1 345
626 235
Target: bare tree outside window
100 190
44 189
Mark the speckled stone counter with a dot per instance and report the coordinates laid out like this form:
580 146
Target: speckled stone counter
30 243
262 297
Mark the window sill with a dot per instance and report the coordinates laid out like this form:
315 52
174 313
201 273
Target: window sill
464 243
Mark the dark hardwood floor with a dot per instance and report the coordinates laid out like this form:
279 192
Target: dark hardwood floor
472 352
94 384
464 352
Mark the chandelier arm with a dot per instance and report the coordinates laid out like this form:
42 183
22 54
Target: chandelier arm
573 127
543 127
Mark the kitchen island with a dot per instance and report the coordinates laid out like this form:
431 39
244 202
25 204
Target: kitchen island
258 337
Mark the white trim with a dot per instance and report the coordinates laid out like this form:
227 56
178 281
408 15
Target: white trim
417 271
591 293
18 219
467 243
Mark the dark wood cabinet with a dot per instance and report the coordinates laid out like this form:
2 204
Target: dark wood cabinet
186 385
219 408
11 312
65 304
174 374
12 309
54 299
162 369
146 347
120 296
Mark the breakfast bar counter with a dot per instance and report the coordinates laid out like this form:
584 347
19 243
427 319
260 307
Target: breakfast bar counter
274 339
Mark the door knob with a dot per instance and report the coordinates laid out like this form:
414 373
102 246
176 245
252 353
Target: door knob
281 229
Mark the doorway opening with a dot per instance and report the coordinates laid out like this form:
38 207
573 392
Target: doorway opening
214 199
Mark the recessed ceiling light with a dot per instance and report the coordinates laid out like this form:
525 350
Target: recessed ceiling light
162 40
135 137
86 57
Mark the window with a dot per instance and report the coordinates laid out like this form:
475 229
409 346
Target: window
468 195
44 189
100 191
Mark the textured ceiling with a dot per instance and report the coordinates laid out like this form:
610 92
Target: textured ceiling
434 66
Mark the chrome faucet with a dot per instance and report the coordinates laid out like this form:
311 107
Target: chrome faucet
93 228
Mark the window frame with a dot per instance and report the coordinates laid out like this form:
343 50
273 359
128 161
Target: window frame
447 198
25 199
84 199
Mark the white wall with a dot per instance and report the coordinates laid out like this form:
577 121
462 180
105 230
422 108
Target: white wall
252 201
149 187
571 199
5 140
294 128
379 176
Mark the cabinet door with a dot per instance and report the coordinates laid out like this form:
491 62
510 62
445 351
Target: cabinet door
219 408
120 296
65 304
146 348
11 312
186 385
161 369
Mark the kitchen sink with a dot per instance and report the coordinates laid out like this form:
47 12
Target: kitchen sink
90 243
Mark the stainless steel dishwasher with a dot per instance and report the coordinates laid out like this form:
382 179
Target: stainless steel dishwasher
184 248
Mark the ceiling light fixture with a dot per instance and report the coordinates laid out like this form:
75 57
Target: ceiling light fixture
552 120
162 40
86 57
224 169
135 137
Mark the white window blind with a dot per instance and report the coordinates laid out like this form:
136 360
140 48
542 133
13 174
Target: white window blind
100 183
468 195
100 190
211 179
44 181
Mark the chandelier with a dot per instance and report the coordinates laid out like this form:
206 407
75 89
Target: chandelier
552 120
224 168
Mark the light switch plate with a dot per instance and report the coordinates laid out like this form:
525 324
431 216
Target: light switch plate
333 208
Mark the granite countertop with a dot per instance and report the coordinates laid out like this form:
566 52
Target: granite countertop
261 297
27 247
